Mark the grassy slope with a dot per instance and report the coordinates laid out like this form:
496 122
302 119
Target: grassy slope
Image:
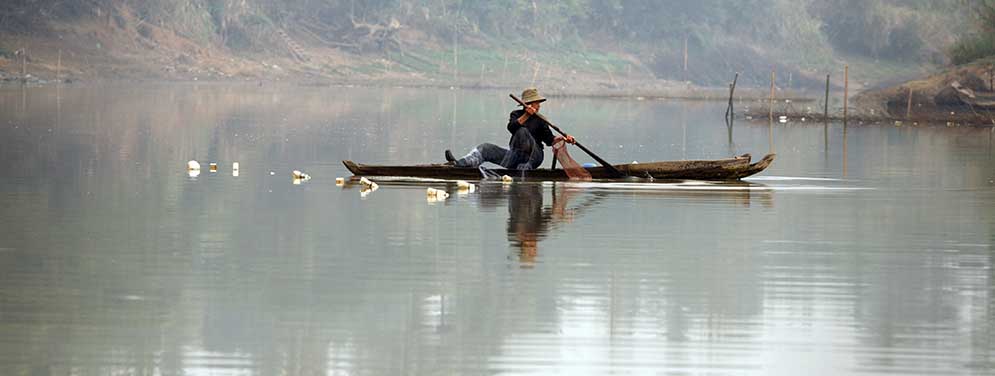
125 48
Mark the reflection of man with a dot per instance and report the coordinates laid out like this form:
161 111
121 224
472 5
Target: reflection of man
528 220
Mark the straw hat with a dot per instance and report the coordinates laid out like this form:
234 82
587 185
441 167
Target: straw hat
532 95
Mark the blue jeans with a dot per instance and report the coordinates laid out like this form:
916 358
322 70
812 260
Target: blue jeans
524 153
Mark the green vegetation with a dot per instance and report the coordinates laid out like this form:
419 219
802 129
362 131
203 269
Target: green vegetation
972 48
980 43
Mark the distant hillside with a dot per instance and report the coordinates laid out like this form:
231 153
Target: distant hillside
591 43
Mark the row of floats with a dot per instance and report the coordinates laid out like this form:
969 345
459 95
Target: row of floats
368 186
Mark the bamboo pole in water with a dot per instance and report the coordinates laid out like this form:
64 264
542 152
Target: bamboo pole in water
825 104
730 112
846 91
844 148
770 106
24 65
908 108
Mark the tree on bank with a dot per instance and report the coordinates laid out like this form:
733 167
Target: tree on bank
980 43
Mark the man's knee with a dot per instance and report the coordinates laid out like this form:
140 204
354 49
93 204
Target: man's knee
522 140
522 132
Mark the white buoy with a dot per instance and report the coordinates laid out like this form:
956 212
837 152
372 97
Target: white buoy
464 187
300 175
435 194
368 189
507 179
214 167
193 165
339 181
193 173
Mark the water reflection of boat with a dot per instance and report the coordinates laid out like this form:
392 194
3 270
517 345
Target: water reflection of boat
719 169
530 220
739 192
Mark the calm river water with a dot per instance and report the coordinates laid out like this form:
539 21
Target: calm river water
868 250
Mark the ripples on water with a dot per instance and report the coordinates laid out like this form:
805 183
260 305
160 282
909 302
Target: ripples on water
874 258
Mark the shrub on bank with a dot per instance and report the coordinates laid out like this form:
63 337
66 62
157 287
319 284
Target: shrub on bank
972 48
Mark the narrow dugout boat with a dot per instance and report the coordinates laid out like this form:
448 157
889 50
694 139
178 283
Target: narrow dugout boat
719 169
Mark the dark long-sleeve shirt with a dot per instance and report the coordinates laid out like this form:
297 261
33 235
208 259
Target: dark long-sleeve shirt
537 127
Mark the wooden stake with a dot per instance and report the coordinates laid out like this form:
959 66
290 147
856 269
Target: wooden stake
908 109
24 65
846 91
58 68
730 112
844 147
825 109
770 114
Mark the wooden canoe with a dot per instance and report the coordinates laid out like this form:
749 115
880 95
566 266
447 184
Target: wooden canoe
720 169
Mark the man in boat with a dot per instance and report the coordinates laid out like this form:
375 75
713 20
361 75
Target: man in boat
525 150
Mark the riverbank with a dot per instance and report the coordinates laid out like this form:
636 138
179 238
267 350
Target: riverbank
589 85
944 97
953 97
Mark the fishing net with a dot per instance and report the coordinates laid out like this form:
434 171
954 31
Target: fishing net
573 169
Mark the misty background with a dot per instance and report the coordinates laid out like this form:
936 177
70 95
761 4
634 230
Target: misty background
582 43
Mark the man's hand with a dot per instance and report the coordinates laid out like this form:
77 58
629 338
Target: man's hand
530 109
570 140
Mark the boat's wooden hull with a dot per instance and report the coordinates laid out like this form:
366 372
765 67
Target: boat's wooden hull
720 169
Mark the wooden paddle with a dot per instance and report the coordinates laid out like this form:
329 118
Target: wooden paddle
611 169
